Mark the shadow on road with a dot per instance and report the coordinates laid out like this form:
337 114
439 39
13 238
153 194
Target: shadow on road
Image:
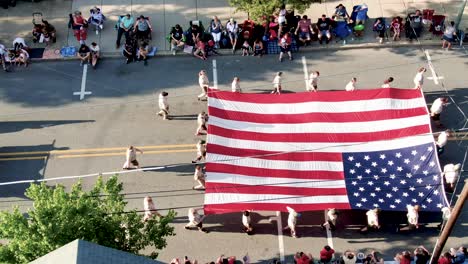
15 126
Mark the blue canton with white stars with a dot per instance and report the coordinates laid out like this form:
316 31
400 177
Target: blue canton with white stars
393 179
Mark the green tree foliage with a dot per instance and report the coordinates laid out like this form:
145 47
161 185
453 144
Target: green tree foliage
258 8
59 217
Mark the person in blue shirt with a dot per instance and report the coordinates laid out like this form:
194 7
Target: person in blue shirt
459 256
124 27
361 15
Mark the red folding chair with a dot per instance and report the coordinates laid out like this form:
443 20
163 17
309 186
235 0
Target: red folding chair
428 14
438 25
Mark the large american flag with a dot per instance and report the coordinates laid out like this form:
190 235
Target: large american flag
313 151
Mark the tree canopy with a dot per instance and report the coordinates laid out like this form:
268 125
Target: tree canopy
59 217
258 8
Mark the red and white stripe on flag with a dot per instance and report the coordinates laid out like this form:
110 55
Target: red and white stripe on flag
267 151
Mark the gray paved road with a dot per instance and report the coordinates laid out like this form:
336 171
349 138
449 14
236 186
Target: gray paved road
40 113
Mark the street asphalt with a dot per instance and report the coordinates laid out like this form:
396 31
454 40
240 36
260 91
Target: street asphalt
63 136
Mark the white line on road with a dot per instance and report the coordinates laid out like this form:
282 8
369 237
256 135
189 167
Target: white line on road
306 73
215 75
280 235
83 91
435 78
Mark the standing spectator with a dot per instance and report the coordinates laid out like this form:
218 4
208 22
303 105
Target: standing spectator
285 46
422 255
413 216
203 82
351 86
340 13
282 18
387 82
459 256
305 28
403 257
302 258
143 52
258 47
195 220
125 26
79 26
445 259
436 109
245 48
84 54
199 177
292 220
380 28
373 218
396 28
95 54
349 257
131 161
324 26
128 51
200 49
202 118
177 42
22 57
232 30
449 35
332 216
277 83
374 258
313 81
150 209
201 151
361 14
163 105
143 28
419 78
49 30
235 85
451 174
326 254
442 141
416 25
246 222
97 19
216 29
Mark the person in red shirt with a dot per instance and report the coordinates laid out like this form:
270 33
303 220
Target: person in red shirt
302 258
200 51
285 46
326 254
445 259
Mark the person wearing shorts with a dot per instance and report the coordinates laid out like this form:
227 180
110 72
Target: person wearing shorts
232 30
305 28
449 36
131 161
324 25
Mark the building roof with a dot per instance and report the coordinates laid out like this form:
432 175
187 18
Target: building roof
84 252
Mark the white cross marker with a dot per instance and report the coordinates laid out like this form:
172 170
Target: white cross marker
83 91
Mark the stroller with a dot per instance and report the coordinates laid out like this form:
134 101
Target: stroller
438 25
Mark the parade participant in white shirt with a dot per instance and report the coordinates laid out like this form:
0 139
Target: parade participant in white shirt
150 208
204 83
195 220
436 110
163 105
313 81
351 86
277 83
419 78
235 86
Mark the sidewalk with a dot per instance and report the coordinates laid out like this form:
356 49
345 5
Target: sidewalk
17 21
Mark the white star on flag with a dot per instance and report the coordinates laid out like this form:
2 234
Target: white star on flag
382 156
414 152
390 163
406 161
358 165
350 158
366 157
398 155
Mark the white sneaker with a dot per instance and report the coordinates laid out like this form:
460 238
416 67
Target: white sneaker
101 26
97 32
174 52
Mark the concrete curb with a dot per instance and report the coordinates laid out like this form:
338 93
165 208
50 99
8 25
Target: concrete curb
227 52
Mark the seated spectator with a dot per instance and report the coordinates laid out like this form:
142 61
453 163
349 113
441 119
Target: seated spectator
403 257
374 258
95 54
449 35
200 49
302 258
84 53
245 48
285 46
129 52
326 254
340 13
177 41
49 30
194 33
380 28
395 27
80 26
232 30
446 258
422 255
97 19
143 51
459 256
22 57
324 26
216 29
19 43
37 32
143 28
349 257
224 260
258 48
125 26
210 48
416 25
304 28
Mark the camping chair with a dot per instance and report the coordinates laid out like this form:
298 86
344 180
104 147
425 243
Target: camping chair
438 25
